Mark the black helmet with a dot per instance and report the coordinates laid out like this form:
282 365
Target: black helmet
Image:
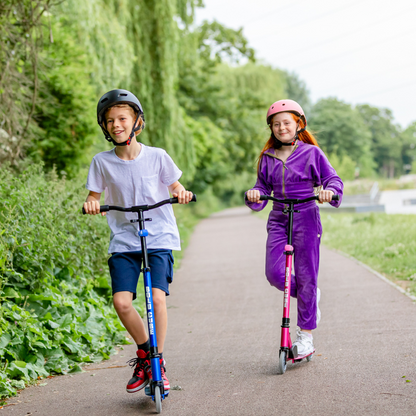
115 97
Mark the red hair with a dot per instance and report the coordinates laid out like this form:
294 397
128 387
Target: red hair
304 136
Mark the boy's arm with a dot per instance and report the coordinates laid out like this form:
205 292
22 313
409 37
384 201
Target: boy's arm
92 203
178 191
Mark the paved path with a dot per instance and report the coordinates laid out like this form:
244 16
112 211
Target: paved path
222 347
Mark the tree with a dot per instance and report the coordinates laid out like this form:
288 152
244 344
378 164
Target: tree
21 39
386 141
341 130
297 90
408 155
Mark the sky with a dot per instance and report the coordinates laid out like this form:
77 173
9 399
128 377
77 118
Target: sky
357 51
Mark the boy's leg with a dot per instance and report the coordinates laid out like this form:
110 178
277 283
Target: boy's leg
161 316
161 265
125 270
129 316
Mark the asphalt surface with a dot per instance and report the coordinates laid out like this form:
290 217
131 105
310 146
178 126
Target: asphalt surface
223 341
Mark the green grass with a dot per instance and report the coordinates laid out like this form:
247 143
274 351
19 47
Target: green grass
386 243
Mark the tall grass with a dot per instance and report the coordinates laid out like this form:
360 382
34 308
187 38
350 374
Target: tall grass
387 243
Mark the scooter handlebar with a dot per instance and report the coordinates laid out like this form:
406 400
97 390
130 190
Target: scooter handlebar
106 208
296 201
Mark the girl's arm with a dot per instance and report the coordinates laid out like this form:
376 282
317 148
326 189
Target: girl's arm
331 182
178 191
262 187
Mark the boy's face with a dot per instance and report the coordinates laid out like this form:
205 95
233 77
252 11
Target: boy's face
120 122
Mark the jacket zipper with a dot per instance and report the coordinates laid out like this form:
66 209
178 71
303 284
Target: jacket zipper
283 179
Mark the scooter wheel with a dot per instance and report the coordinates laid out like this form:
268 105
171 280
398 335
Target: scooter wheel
282 362
309 358
158 399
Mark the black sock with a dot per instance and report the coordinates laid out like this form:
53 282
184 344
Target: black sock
145 347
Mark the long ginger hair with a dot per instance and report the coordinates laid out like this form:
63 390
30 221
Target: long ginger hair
304 136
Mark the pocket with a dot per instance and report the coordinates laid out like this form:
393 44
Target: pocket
169 273
150 186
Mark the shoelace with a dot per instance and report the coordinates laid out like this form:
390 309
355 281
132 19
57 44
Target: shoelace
303 337
138 362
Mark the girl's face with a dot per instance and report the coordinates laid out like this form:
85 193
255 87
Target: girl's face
120 122
284 127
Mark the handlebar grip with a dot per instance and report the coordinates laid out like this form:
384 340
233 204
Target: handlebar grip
175 200
262 197
103 208
335 197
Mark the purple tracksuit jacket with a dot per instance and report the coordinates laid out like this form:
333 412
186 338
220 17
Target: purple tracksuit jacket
306 168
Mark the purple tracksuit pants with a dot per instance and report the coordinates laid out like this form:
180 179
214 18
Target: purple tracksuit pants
307 231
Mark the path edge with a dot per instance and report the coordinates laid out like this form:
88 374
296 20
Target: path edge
379 275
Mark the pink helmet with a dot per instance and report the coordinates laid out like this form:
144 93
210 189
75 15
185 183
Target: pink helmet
289 106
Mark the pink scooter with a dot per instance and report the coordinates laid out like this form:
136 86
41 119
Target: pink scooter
288 351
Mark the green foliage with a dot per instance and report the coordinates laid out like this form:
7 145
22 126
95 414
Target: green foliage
54 290
20 41
222 44
341 130
385 139
66 114
373 239
409 149
345 166
297 90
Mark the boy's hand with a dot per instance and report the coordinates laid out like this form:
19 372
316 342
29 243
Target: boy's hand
253 195
92 208
325 196
92 204
183 196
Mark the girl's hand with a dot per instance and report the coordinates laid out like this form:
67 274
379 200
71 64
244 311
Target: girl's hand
253 195
183 196
325 196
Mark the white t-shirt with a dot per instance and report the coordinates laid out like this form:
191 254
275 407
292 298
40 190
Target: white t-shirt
141 181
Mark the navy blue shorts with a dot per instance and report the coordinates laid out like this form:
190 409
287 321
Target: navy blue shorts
125 270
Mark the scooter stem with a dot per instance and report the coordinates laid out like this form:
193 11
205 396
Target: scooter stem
285 336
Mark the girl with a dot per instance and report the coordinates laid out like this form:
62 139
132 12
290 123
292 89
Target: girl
290 165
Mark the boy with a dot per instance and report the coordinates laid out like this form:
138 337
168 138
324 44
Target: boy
134 174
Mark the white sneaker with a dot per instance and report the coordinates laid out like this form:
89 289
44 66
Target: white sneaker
303 343
318 311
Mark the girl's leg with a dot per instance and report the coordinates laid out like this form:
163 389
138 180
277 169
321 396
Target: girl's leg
129 316
307 238
275 258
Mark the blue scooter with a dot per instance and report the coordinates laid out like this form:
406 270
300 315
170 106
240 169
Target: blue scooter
155 388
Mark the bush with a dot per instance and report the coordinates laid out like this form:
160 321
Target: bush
54 290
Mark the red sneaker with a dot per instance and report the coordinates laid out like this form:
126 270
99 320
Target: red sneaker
162 370
139 379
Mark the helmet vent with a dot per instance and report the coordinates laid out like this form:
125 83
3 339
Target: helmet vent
105 99
123 95
283 104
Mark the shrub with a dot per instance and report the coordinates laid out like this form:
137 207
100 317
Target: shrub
54 290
